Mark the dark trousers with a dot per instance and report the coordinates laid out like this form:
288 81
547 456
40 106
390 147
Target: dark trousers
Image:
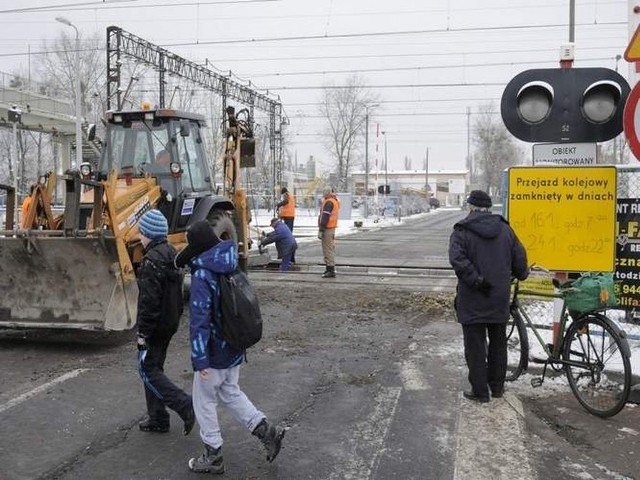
487 364
288 221
159 391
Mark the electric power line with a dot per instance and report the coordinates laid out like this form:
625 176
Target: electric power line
385 34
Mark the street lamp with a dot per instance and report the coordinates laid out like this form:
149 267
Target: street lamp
66 22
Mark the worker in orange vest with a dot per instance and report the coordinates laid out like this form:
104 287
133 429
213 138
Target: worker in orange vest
327 223
24 211
287 211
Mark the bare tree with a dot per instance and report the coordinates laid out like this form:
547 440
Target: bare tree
407 163
495 149
345 108
58 69
615 151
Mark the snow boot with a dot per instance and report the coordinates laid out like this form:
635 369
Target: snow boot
210 461
330 272
271 437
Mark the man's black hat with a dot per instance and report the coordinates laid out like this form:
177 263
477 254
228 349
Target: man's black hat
479 199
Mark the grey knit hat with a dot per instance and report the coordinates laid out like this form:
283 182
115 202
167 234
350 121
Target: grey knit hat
153 225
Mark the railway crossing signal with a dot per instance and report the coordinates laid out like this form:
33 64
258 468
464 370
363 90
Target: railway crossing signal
565 104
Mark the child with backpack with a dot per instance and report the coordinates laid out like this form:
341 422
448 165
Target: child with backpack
216 363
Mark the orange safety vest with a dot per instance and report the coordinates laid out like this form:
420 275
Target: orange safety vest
26 203
333 217
289 210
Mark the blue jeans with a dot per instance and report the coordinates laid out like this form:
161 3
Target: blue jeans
285 263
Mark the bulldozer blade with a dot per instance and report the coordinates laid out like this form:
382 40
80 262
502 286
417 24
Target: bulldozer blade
64 283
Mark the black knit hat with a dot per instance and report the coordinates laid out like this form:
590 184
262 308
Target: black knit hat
200 238
479 198
284 190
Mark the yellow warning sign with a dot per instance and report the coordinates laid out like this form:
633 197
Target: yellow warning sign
565 217
632 53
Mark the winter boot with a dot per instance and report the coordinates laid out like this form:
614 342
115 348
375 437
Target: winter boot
149 425
210 461
271 437
329 273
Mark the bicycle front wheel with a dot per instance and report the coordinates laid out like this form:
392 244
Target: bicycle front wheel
517 346
599 372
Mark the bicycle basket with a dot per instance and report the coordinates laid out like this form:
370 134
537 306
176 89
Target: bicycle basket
590 292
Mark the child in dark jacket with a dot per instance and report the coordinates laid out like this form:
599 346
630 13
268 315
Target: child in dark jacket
286 245
159 310
216 363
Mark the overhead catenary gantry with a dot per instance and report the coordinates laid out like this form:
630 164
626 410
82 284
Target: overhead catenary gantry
121 43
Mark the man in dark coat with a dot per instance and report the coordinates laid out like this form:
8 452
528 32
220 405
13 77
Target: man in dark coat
285 242
485 253
159 310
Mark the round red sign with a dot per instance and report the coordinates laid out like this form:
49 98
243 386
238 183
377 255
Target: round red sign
631 121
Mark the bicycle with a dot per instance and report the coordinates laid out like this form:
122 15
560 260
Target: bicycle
592 351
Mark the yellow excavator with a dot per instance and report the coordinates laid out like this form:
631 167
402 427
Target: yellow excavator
77 270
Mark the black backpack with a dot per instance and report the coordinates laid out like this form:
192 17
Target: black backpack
241 318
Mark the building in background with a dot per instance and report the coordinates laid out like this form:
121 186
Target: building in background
448 186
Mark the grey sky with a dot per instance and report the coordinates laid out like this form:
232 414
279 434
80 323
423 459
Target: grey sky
402 49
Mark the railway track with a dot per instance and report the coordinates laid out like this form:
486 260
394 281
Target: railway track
429 279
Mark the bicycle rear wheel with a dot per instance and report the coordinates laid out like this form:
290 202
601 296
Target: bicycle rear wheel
517 346
600 373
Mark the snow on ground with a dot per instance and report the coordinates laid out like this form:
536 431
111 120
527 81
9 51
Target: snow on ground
307 218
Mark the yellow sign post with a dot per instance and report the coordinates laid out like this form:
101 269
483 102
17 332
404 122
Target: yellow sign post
565 217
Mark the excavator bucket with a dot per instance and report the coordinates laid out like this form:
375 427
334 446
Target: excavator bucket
68 283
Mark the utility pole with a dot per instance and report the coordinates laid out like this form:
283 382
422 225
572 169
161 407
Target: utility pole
572 21
366 162
469 166
386 179
426 173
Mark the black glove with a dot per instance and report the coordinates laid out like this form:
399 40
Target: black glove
142 343
483 286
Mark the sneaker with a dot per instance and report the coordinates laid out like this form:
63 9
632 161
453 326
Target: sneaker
497 394
476 398
189 422
210 461
150 426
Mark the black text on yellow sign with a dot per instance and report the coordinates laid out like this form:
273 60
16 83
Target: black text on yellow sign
565 216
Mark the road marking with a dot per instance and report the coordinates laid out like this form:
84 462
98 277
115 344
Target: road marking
490 442
411 375
32 393
367 441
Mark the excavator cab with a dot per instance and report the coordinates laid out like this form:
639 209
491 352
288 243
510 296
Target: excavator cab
166 145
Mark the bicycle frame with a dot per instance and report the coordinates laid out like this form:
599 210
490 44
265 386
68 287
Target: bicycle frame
554 352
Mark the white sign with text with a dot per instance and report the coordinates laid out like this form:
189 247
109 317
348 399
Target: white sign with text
565 154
